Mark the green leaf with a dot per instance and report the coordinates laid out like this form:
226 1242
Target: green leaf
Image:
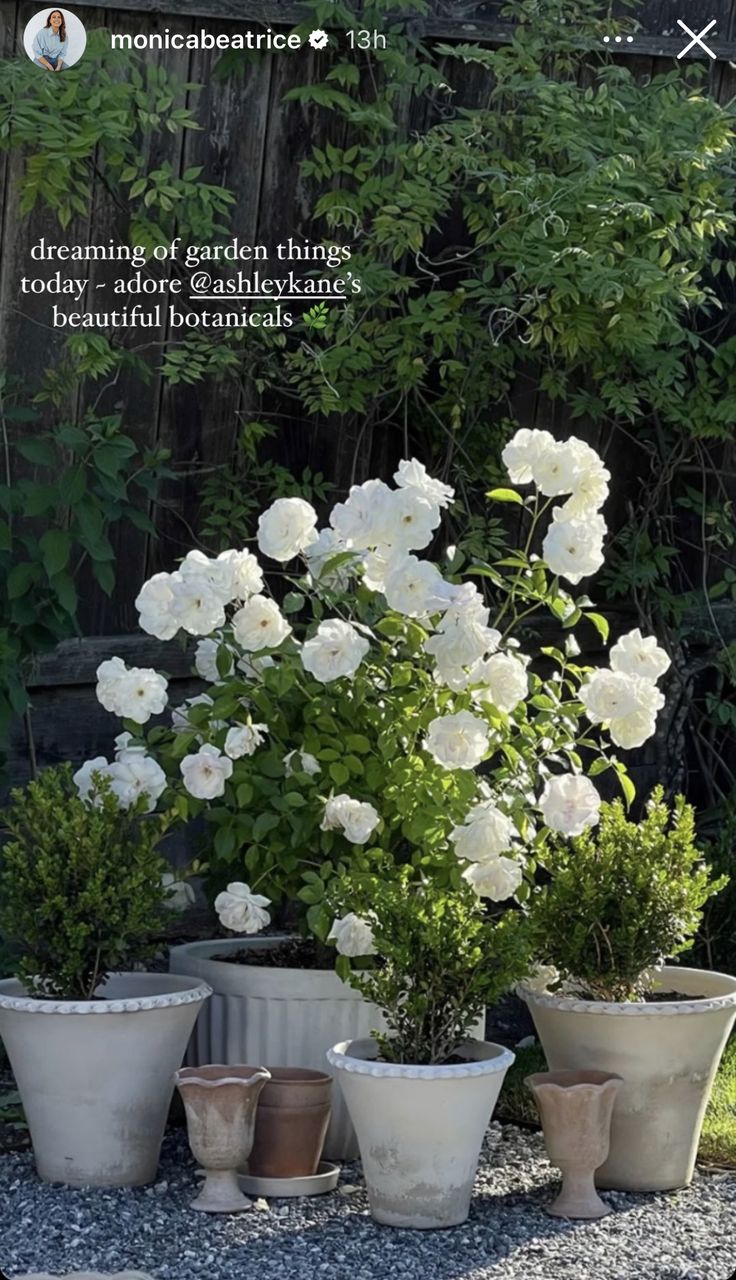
627 786
293 602
294 799
339 774
244 794
505 495
66 593
55 546
601 625
264 823
21 577
39 451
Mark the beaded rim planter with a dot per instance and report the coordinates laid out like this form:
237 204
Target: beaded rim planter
667 1062
96 1076
420 1128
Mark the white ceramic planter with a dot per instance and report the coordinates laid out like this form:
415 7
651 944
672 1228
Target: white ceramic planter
275 1017
420 1129
96 1076
667 1055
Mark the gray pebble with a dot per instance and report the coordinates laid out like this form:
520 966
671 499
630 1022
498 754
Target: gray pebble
687 1236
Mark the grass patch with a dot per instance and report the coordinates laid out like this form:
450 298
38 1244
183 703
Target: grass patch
718 1140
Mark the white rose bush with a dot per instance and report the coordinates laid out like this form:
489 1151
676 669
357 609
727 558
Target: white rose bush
365 708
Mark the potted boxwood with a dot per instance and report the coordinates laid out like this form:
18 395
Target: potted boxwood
373 703
93 1049
621 903
421 1093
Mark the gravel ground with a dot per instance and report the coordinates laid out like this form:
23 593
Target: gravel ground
687 1235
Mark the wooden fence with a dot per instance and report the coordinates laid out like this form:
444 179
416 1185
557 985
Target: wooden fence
253 143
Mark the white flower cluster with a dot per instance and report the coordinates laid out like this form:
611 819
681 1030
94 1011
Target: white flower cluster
375 535
194 598
625 696
488 840
356 819
133 693
573 546
133 773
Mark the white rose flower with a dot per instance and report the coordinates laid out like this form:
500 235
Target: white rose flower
497 880
179 893
363 522
205 773
503 682
242 911
523 451
356 819
638 655
463 636
485 834
557 468
415 587
155 603
352 936
574 548
286 528
413 520
301 762
377 565
633 731
260 624
244 740
541 979
570 804
591 483
457 741
217 574
245 574
134 693
134 774
627 704
336 649
198 606
205 659
414 475
84 779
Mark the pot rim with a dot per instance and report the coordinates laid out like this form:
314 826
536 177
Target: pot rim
636 1009
187 991
346 1057
186 1076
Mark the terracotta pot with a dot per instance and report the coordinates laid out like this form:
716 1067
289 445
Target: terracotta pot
575 1108
667 1053
291 1123
289 1016
221 1102
96 1076
420 1129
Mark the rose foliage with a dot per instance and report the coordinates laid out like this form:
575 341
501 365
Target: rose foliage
375 709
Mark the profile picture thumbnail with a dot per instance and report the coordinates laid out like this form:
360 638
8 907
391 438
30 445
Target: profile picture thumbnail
54 39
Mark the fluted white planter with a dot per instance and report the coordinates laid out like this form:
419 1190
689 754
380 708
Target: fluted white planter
96 1076
275 1017
667 1055
420 1129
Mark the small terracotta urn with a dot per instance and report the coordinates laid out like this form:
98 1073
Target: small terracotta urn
291 1123
220 1104
575 1108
